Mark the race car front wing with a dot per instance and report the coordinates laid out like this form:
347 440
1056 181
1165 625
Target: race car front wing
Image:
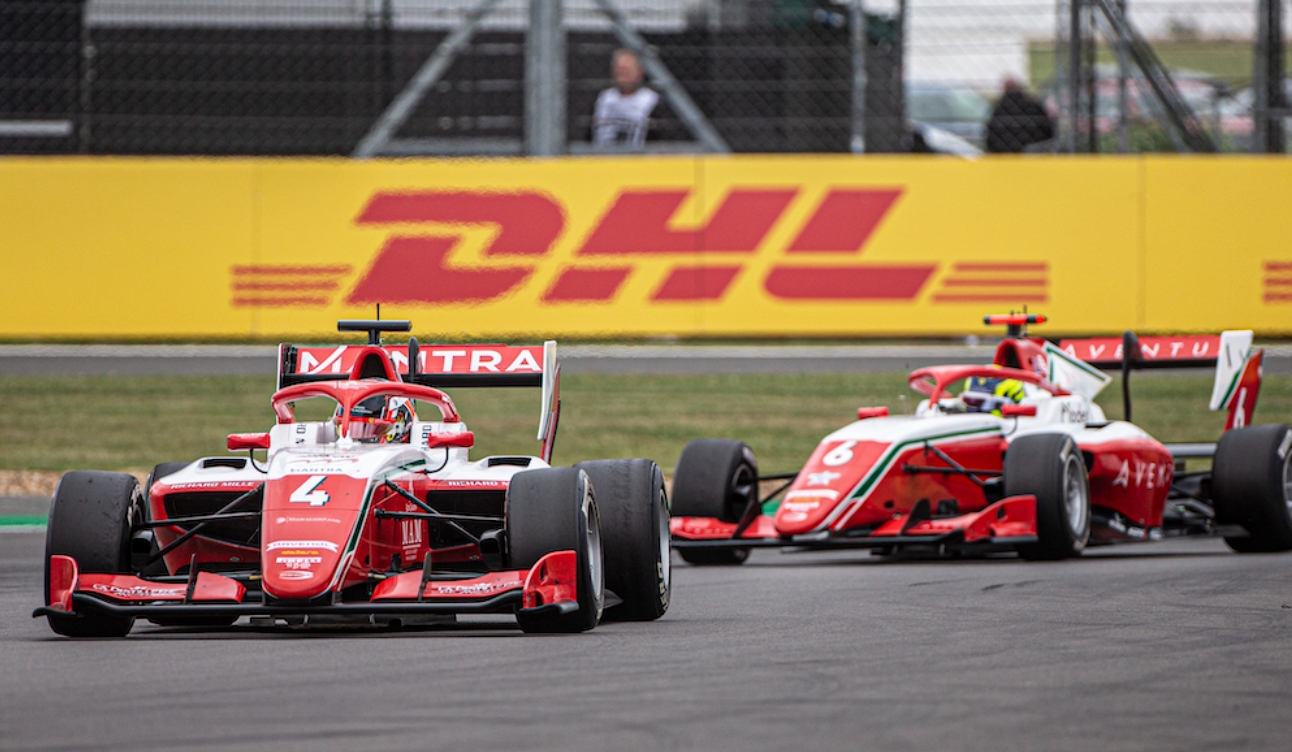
550 585
1005 524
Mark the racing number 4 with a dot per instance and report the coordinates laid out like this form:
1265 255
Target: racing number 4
309 492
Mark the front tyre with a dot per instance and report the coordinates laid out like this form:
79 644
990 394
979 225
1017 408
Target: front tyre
715 478
553 509
1050 467
1251 485
90 520
634 533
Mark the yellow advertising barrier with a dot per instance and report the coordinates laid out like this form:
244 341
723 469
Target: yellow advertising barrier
689 246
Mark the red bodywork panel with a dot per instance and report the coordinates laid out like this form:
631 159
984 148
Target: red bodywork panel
1131 477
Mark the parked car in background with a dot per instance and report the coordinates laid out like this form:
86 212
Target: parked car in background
954 108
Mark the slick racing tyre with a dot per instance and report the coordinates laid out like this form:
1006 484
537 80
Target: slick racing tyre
90 521
715 478
161 471
157 568
1251 485
634 534
553 509
1050 466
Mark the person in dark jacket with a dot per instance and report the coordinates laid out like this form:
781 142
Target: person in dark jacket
1018 121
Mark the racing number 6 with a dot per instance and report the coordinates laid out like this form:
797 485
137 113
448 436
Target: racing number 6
840 455
308 492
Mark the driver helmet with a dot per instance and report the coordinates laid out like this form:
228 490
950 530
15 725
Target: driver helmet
986 394
381 420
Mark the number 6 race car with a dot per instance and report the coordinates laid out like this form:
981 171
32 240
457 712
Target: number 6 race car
372 515
1020 459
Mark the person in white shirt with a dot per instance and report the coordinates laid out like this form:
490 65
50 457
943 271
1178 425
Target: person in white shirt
623 111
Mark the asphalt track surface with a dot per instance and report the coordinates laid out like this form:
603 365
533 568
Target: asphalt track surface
1178 645
181 360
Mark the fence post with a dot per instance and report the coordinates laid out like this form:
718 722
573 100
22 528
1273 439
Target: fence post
1269 106
545 99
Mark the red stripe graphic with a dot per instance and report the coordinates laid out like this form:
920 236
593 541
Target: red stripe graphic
277 302
278 271
285 286
961 282
995 282
1000 267
1023 298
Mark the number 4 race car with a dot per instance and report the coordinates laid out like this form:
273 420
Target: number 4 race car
1014 455
372 515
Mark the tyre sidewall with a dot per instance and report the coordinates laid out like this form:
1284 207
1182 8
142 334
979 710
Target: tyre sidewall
633 505
1041 465
1247 486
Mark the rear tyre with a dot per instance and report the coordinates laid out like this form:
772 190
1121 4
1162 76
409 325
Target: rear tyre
1251 485
1050 466
715 478
90 521
634 533
553 509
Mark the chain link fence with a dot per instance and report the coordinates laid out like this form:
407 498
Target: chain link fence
313 77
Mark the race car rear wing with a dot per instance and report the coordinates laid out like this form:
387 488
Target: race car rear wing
1238 366
439 366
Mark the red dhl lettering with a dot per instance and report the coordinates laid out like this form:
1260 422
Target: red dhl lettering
415 265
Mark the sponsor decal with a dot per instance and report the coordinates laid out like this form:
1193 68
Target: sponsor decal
1109 349
465 359
136 592
286 544
1143 474
820 493
295 574
238 485
411 532
283 520
479 588
1278 282
299 562
470 483
1070 413
641 225
822 478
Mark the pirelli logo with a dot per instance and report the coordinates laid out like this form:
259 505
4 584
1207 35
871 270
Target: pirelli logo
819 258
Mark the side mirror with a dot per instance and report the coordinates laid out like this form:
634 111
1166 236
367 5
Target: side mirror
871 412
463 440
239 441
1018 411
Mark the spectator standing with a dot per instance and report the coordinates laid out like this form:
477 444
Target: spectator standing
623 111
1018 121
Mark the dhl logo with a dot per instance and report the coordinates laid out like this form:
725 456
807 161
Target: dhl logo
1278 281
416 264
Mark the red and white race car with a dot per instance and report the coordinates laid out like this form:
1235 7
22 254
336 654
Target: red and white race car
1014 455
372 513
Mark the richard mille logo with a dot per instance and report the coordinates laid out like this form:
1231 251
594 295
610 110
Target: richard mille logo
822 479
